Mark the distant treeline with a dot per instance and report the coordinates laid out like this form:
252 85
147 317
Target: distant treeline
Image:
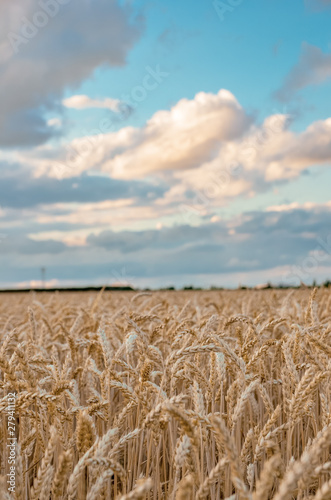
266 286
74 289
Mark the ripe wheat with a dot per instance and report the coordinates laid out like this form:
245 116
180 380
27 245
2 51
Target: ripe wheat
167 395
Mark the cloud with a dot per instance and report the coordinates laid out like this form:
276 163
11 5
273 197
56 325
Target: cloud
253 240
297 206
162 239
206 151
18 189
23 245
80 37
317 5
313 68
85 102
122 212
184 137
267 243
24 128
267 154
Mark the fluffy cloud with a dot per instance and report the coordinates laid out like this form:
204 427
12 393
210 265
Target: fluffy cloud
44 51
85 102
313 68
266 155
186 136
207 151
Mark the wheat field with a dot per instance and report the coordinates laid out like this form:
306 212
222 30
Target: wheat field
167 395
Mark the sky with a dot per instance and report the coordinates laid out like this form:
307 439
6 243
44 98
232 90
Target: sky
165 143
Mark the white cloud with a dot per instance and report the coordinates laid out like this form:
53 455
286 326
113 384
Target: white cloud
299 206
85 102
117 213
54 122
185 137
206 150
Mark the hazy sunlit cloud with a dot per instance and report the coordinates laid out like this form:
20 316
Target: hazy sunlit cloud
295 205
202 142
118 214
85 102
199 155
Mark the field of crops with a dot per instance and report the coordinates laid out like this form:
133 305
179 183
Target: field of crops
166 395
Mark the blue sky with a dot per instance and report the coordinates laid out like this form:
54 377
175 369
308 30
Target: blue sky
125 126
249 52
